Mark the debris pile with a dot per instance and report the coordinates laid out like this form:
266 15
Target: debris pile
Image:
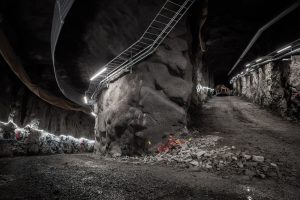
31 141
203 154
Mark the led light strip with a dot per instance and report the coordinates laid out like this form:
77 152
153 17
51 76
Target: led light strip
275 55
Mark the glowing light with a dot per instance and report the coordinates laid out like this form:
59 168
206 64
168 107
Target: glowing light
248 189
286 59
85 99
258 60
98 74
43 132
283 49
248 65
94 114
199 88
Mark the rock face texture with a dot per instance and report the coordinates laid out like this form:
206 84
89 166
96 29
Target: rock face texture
17 103
275 85
138 110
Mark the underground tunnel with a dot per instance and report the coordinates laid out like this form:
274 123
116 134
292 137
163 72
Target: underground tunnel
156 99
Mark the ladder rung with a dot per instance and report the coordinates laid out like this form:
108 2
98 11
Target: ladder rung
134 48
123 58
143 43
164 16
175 3
139 46
148 39
156 28
118 59
170 10
151 33
159 22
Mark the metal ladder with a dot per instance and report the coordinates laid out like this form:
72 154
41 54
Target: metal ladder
165 20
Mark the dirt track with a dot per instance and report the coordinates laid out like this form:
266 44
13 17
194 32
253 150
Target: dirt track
253 129
85 176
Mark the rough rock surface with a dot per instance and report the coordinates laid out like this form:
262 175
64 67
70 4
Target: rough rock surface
17 103
275 86
141 108
16 141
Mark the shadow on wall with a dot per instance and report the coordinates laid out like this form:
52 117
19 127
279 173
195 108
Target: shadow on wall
275 85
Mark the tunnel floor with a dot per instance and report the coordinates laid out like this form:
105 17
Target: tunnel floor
87 176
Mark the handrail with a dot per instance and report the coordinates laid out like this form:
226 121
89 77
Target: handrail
294 47
262 29
162 24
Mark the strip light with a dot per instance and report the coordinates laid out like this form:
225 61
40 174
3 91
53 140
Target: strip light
248 65
283 49
286 59
94 114
260 59
85 99
98 74
43 132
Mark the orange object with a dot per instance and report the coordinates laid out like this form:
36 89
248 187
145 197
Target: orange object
170 144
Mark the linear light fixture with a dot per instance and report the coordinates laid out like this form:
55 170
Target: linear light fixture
85 99
258 60
283 49
94 114
248 65
286 59
99 73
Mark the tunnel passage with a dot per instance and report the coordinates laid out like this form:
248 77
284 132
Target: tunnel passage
165 91
178 124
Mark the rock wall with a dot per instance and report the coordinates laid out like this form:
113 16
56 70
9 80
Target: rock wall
52 119
275 85
20 105
140 109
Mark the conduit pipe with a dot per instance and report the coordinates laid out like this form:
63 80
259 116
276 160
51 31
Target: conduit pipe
262 29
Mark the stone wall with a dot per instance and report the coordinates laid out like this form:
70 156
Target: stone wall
140 109
20 105
275 85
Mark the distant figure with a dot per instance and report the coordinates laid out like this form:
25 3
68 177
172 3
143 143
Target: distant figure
222 90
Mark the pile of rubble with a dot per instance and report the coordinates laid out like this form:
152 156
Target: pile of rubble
31 141
203 154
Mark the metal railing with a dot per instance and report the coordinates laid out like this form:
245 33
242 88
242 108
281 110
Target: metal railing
288 50
165 20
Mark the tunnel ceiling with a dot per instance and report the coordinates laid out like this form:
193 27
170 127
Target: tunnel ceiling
96 31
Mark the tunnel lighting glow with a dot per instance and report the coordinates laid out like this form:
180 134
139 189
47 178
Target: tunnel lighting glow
269 60
85 99
248 65
98 74
258 60
247 69
94 114
283 49
286 59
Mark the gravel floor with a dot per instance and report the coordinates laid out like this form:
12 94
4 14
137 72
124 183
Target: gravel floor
88 176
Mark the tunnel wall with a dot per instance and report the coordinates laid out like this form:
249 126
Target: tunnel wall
17 103
140 109
275 85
